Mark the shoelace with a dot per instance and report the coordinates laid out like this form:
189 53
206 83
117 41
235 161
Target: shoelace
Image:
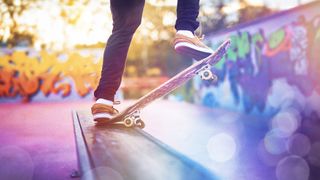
200 37
115 111
116 102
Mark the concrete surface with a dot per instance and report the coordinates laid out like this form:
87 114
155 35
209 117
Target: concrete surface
37 140
129 153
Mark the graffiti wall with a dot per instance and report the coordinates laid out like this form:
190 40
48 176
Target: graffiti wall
273 63
27 75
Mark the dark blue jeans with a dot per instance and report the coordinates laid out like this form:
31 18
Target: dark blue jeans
126 16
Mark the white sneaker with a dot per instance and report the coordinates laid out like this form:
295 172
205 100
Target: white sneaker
102 112
192 47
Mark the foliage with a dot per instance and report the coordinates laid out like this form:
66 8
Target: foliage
65 24
12 31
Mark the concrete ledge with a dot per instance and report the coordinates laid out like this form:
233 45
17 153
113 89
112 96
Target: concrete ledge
122 153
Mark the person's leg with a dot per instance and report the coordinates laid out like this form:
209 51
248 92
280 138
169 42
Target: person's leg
185 42
187 13
126 17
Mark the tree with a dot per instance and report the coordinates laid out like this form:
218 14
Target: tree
13 32
217 19
212 17
249 12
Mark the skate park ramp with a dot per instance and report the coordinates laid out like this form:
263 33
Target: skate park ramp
225 143
39 141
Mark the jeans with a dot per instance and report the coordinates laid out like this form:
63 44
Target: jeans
126 16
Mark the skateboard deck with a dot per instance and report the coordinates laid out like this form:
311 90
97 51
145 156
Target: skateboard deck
131 115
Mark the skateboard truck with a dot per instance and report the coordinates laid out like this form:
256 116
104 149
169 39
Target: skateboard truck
134 119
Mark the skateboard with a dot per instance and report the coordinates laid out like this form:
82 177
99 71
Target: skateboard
130 117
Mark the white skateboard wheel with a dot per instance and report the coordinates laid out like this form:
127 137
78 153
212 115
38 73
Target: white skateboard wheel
128 122
139 123
206 74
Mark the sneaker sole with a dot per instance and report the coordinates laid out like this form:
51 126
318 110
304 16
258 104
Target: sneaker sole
102 117
191 50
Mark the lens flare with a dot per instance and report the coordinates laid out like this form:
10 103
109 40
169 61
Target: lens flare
293 168
299 144
314 154
286 122
266 157
274 143
14 157
221 147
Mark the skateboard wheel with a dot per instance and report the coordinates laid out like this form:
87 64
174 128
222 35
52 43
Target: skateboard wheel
206 74
128 122
139 123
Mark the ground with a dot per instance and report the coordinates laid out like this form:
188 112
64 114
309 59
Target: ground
37 141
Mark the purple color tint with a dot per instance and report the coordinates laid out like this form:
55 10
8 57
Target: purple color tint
37 140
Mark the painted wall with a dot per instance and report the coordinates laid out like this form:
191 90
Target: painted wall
273 63
27 75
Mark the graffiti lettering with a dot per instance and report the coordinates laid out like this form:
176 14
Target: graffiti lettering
279 41
25 75
259 57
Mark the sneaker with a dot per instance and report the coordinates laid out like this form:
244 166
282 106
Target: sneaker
192 47
102 112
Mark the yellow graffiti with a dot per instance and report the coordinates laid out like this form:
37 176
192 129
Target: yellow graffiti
24 75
